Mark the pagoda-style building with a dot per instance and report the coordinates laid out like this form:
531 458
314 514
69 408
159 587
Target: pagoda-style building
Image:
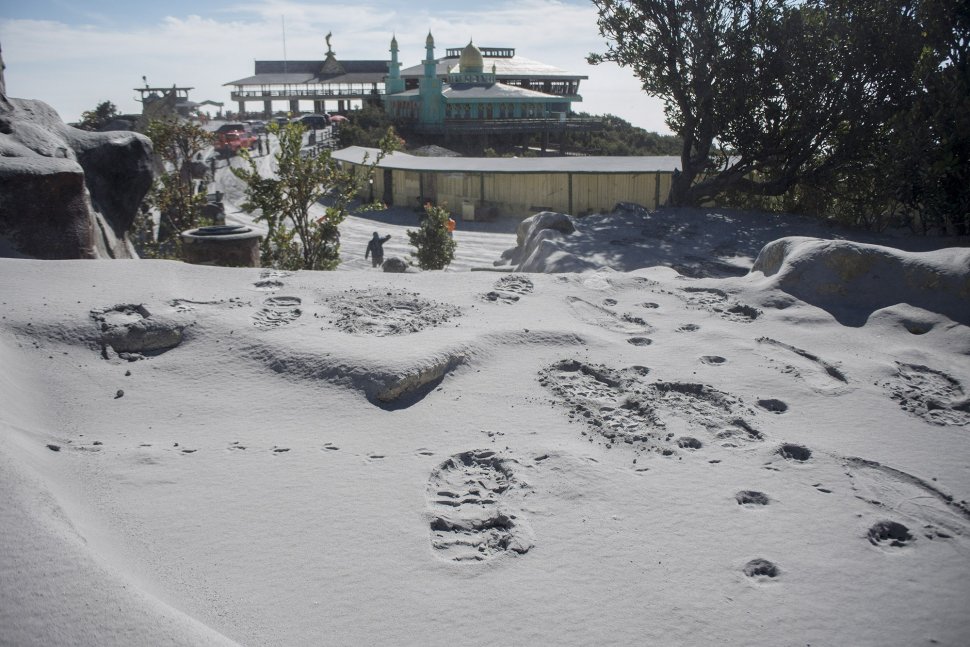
314 84
484 90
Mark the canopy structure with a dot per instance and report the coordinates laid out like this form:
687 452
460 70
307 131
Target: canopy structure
339 85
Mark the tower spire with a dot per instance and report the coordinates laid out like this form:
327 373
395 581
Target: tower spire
394 83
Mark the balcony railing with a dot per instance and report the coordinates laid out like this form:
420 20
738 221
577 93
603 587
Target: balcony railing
311 93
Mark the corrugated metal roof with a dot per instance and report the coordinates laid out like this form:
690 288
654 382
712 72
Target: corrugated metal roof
287 67
353 77
296 72
274 79
457 92
294 79
313 67
403 161
516 67
496 91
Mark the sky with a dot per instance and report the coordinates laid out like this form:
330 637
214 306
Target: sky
76 54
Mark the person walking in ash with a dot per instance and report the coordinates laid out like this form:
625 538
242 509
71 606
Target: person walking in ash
375 249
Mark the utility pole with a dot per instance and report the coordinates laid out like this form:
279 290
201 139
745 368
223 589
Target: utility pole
283 24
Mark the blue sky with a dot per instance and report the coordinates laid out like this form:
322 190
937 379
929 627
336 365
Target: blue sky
75 54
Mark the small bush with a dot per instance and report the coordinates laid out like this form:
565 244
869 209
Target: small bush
435 246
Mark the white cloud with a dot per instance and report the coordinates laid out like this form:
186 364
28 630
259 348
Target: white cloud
75 67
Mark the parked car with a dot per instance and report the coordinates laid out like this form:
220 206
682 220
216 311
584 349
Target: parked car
280 121
228 144
258 127
315 122
232 127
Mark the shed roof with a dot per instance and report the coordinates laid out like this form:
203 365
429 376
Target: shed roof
406 162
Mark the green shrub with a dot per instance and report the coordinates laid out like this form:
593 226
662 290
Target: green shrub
435 246
295 240
175 194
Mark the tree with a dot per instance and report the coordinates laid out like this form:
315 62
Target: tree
435 246
765 93
619 137
176 144
101 115
368 128
930 138
294 239
915 168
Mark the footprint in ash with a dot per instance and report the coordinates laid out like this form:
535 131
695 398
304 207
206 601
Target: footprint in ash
472 507
908 505
817 373
890 534
717 301
509 289
599 316
269 280
278 311
620 405
268 285
761 570
930 394
751 498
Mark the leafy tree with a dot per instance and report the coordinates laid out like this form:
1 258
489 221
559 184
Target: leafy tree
914 170
765 93
295 240
103 113
929 140
368 128
176 144
435 246
620 137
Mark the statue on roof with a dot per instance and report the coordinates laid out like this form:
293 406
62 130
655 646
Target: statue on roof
329 47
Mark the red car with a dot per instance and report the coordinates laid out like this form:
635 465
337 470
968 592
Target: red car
229 142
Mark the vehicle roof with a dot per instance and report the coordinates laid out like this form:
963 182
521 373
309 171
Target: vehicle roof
225 128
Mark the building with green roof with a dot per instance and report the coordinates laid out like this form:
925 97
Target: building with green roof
480 90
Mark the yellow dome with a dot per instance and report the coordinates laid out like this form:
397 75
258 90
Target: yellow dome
471 59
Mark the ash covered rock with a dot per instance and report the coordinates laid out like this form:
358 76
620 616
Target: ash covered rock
130 329
395 265
66 193
852 280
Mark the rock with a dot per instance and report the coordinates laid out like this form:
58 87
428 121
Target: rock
66 193
395 265
631 207
546 220
537 238
852 280
131 328
118 173
44 212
